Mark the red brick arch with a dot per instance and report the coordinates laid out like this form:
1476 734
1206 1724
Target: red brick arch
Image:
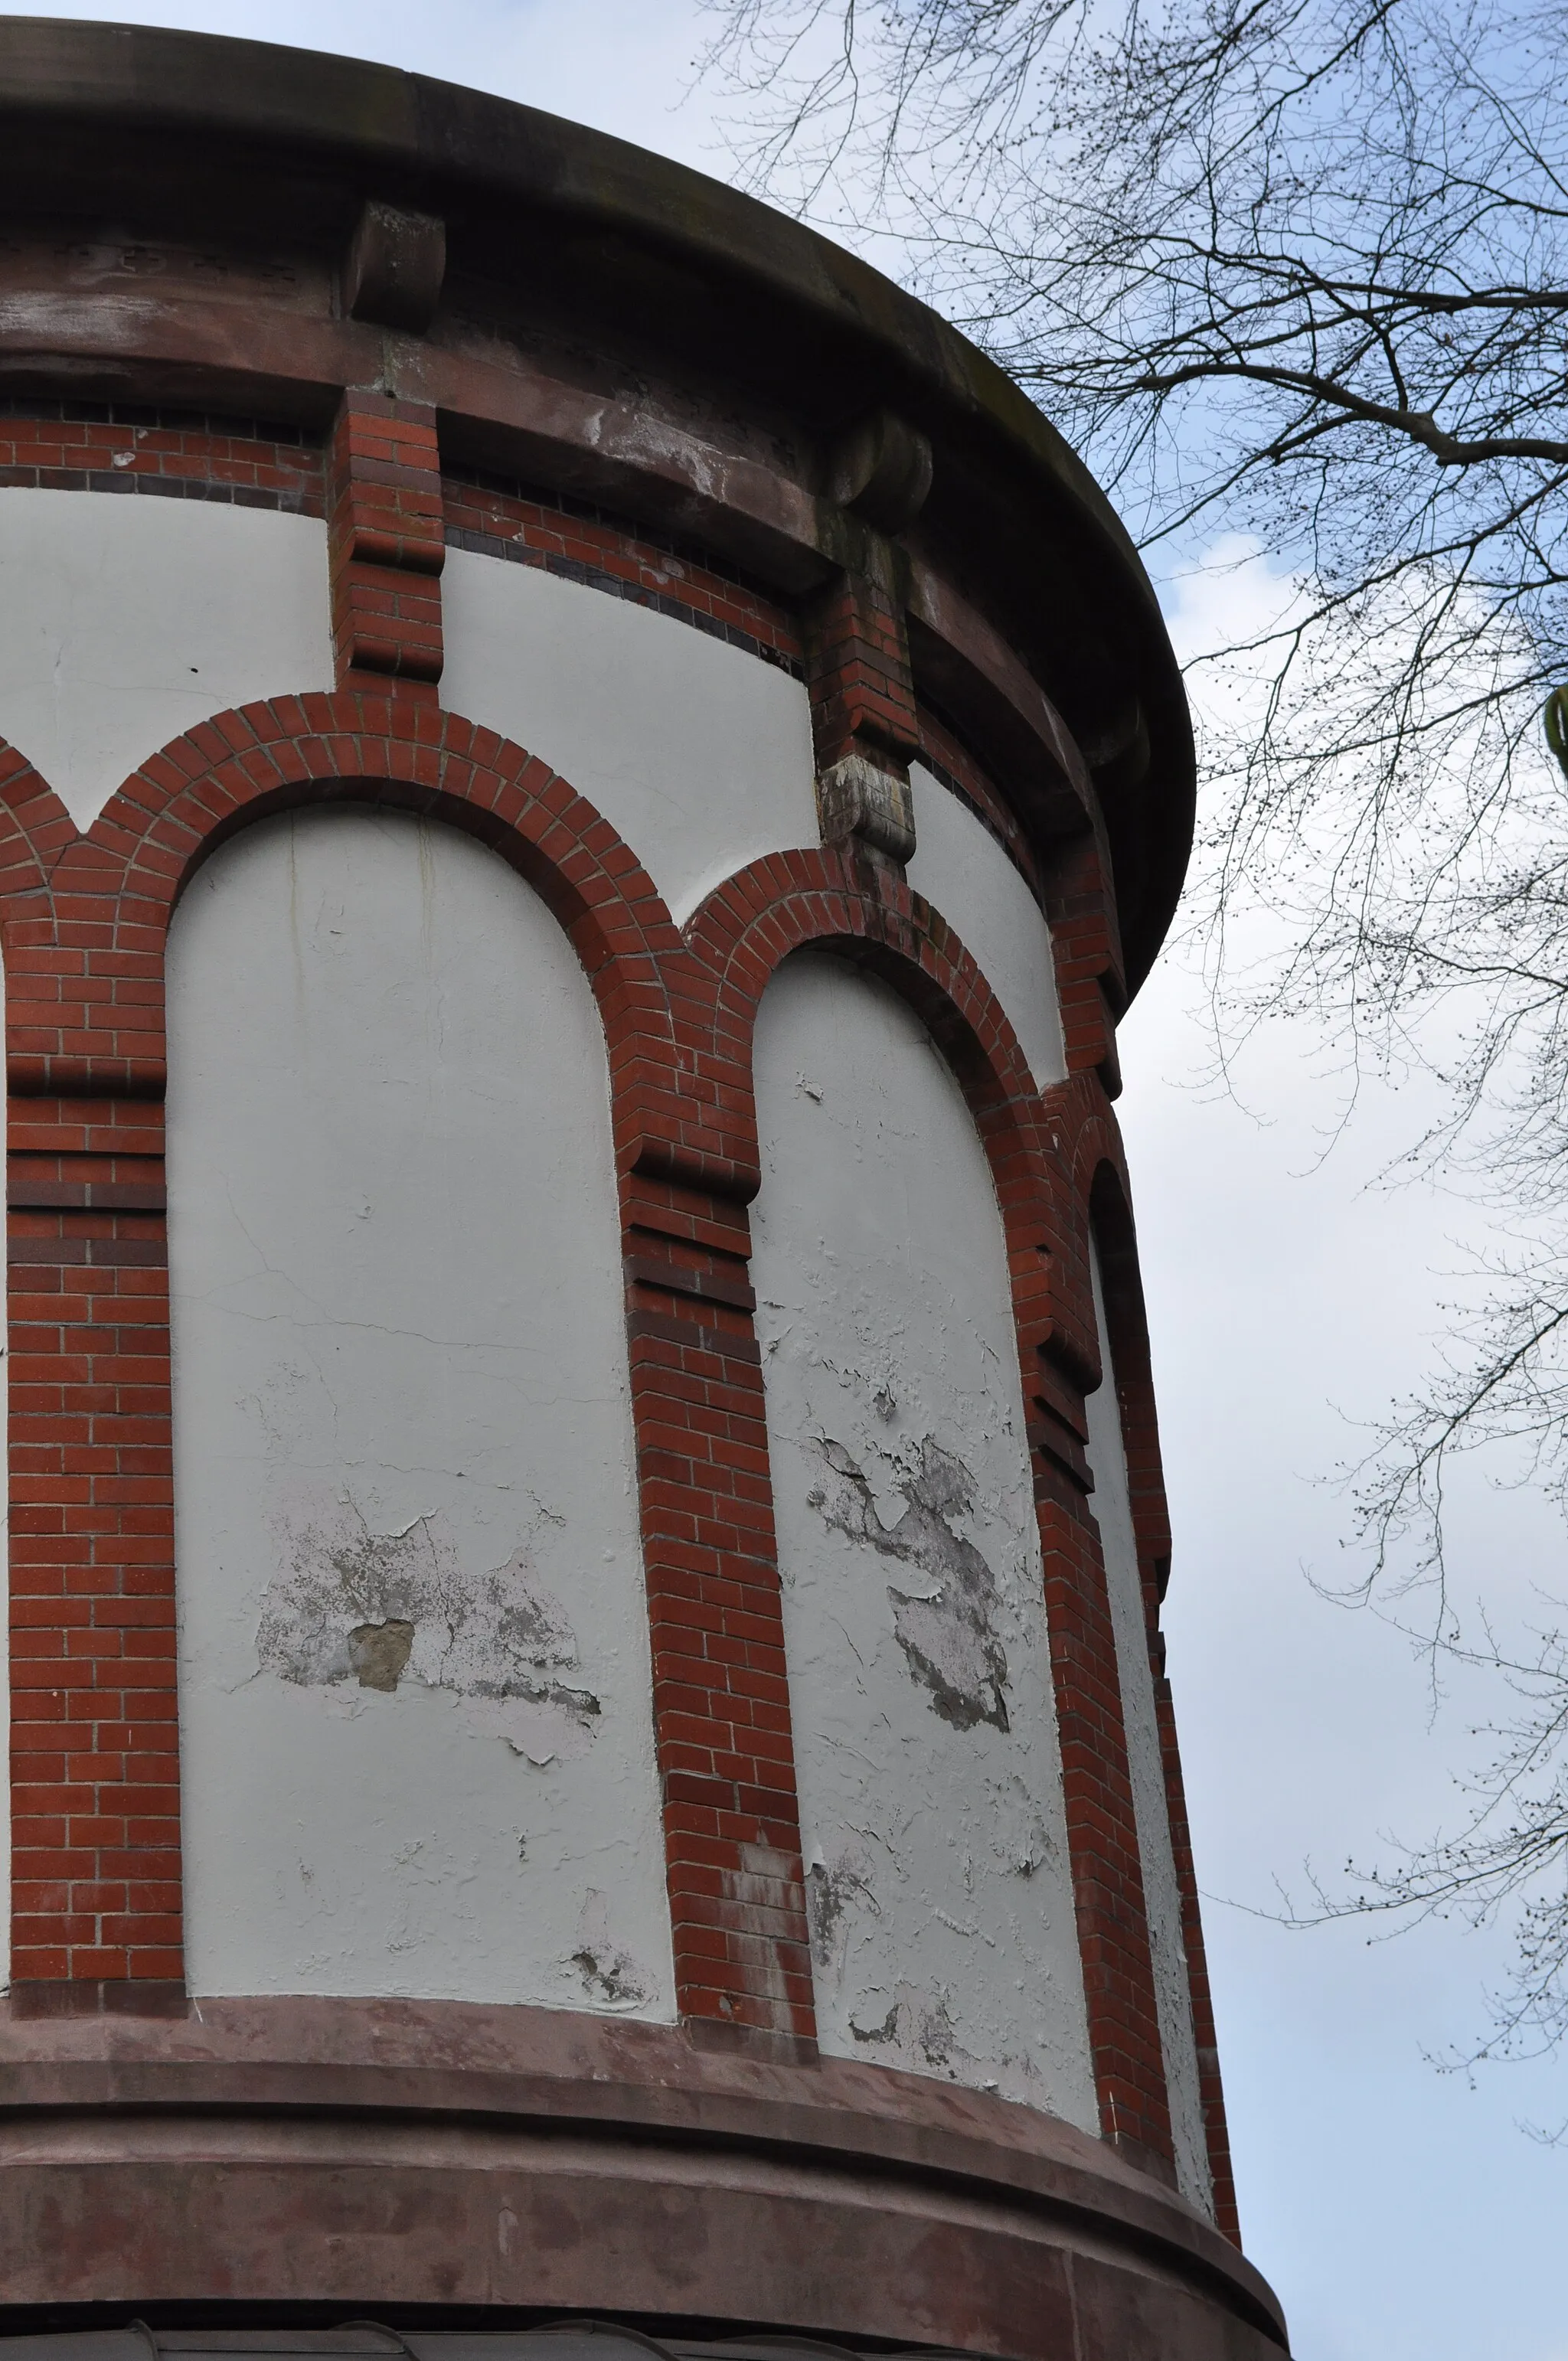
830 897
88 915
96 1772
35 829
84 916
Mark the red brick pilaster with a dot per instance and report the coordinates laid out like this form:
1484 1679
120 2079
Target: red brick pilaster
1055 1332
721 1688
862 691
94 1756
1087 948
94 1748
1128 1330
1101 1826
863 714
388 544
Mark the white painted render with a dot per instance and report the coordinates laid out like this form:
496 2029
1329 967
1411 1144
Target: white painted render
1162 1895
124 621
414 1668
699 754
958 865
925 1730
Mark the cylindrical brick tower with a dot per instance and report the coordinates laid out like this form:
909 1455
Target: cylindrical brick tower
583 786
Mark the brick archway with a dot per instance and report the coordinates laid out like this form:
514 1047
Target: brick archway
833 898
96 1866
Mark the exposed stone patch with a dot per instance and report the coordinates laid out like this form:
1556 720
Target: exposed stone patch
355 1605
379 1653
946 1631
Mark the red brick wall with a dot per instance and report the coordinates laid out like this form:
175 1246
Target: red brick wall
387 545
95 1751
85 922
104 448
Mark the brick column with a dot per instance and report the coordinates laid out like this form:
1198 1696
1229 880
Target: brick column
94 1746
720 1691
1102 1824
1151 1524
862 709
1057 1334
1087 953
387 544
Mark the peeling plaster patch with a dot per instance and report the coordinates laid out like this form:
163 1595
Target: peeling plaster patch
920 2029
943 1931
610 1976
886 2031
830 1893
946 1633
378 1653
355 1603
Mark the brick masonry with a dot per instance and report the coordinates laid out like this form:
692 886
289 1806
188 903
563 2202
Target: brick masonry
1103 1198
85 920
532 526
858 670
173 454
387 543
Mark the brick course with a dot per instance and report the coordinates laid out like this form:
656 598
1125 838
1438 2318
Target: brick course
175 455
530 526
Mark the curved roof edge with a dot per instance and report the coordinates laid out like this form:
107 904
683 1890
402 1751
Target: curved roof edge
432 135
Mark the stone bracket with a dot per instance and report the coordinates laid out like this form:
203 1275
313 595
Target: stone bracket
856 797
394 268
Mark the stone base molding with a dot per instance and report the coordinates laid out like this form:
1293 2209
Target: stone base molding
359 2155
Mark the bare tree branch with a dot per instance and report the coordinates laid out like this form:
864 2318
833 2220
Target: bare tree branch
1295 272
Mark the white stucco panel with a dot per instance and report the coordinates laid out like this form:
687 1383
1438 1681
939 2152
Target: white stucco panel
961 869
943 1931
125 620
1162 1895
698 752
415 1683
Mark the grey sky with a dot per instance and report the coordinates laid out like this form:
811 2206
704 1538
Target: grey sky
1402 2216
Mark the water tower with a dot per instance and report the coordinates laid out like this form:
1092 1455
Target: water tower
584 787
